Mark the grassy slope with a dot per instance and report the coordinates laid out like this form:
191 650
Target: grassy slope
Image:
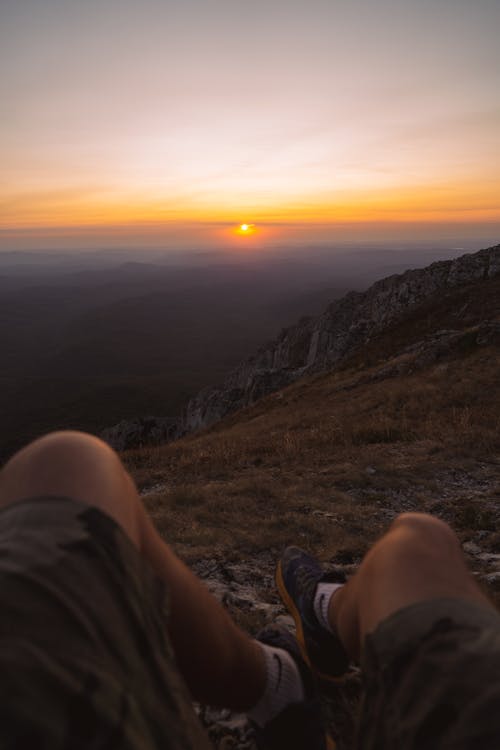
328 461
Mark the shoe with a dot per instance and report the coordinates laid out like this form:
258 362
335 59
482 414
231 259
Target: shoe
300 726
297 576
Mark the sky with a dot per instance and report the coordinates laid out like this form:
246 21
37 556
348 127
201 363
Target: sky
177 121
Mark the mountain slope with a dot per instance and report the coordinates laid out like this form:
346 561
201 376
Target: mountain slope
384 432
373 438
320 343
409 421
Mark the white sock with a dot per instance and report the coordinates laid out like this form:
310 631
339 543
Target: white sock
324 592
283 685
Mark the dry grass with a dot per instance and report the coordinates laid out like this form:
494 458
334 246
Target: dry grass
323 462
328 462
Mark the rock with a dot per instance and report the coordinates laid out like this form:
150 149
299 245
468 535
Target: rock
489 557
324 514
135 433
286 621
237 585
471 548
226 729
488 333
153 489
318 343
482 534
492 578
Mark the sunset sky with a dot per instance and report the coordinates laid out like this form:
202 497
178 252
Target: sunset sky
180 120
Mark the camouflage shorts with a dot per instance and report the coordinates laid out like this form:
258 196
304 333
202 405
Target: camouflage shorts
432 679
84 657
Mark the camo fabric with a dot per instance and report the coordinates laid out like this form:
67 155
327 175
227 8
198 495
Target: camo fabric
432 679
84 657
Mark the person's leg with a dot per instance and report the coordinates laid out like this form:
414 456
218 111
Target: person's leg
419 559
428 640
220 663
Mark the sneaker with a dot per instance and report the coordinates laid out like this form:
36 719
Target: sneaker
297 576
300 726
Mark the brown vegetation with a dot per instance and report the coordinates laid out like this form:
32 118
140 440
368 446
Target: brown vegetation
327 462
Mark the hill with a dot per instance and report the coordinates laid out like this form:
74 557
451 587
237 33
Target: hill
408 420
380 434
316 343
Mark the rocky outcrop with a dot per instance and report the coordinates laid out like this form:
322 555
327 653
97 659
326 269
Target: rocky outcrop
313 345
134 433
317 344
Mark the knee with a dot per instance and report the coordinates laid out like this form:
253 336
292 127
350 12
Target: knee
69 441
413 537
59 462
76 465
424 528
61 448
418 536
68 444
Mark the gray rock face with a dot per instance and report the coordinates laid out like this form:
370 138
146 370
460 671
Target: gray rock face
313 345
317 344
134 433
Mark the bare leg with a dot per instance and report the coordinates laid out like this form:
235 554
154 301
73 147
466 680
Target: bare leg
418 559
219 662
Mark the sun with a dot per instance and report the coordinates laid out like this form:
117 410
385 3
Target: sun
246 229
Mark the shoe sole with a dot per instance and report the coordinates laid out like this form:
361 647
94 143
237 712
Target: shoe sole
290 605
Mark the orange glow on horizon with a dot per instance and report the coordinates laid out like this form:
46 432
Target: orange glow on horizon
169 122
476 201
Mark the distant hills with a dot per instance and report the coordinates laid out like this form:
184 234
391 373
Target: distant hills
89 339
